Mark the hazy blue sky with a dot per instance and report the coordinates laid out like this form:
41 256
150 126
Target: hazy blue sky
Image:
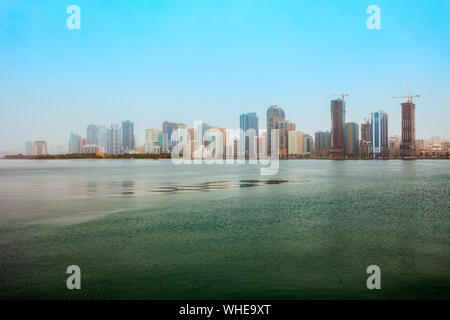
150 61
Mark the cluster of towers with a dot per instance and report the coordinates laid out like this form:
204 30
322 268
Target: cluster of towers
375 142
112 140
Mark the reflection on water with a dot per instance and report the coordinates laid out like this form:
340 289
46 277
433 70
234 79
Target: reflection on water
222 185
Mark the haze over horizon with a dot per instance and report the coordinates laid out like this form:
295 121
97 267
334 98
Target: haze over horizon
200 60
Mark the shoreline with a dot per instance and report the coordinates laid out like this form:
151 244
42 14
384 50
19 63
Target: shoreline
165 159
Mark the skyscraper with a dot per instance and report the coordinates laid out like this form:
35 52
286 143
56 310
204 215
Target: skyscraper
394 147
200 139
151 141
127 136
351 139
73 143
379 134
248 123
285 126
91 134
81 142
112 139
408 145
365 144
168 128
40 148
274 115
218 143
366 131
308 145
337 129
102 138
322 144
295 144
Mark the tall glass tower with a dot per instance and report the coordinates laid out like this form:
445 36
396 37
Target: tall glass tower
127 136
379 134
351 139
274 115
248 123
92 134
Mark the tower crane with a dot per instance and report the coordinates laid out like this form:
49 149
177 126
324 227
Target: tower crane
342 95
409 95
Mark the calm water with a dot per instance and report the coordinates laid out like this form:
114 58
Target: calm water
150 230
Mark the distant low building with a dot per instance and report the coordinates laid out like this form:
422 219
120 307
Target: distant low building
90 148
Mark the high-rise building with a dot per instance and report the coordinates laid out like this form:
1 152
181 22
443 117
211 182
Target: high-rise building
421 145
151 143
168 128
379 134
337 129
365 144
73 143
102 138
40 148
295 144
351 139
408 145
394 147
274 115
322 144
248 123
29 147
366 131
127 136
218 142
201 140
262 144
284 127
81 142
308 145
113 139
92 134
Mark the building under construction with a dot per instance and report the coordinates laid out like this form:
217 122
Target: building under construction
337 129
408 145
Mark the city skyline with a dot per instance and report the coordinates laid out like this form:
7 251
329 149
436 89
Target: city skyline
341 142
174 62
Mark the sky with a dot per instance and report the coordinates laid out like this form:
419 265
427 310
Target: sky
212 60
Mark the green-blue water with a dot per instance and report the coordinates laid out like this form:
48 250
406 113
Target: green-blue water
151 230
